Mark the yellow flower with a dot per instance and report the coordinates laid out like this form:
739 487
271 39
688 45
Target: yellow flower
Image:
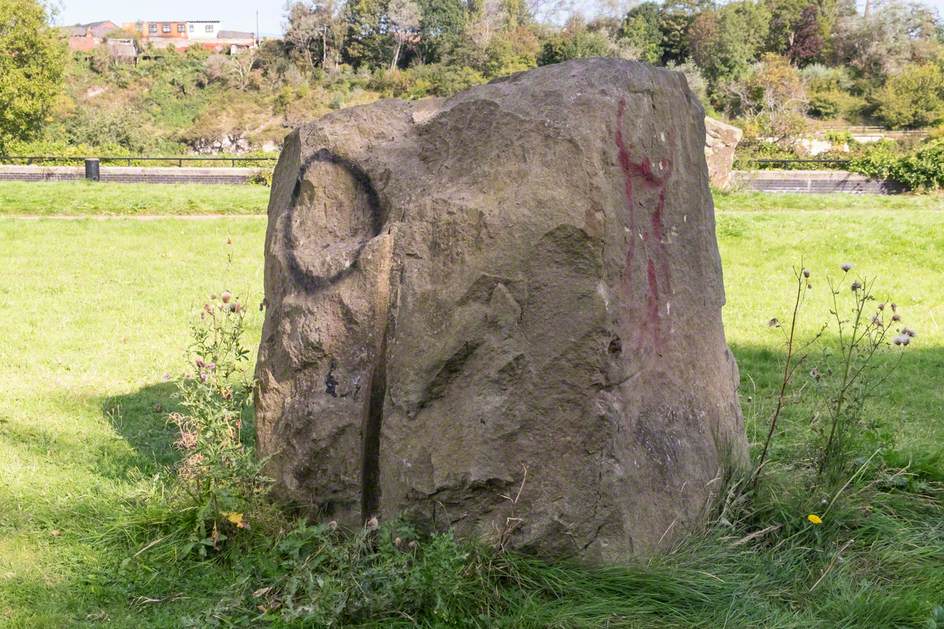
235 518
814 519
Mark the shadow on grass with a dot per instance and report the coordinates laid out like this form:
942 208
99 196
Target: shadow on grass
910 403
141 420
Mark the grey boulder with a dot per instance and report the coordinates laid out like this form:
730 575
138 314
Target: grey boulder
500 313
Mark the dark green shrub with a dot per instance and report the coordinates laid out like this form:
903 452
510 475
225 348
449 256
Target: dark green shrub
430 80
573 45
912 98
835 103
920 169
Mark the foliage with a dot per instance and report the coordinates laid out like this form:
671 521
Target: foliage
913 97
428 80
368 41
831 92
784 19
920 169
741 58
675 20
220 480
514 51
834 103
32 56
807 41
724 42
773 93
880 45
442 27
577 42
642 32
312 33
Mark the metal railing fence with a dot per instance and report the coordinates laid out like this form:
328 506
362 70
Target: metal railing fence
130 160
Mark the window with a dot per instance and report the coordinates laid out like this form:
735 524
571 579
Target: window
181 28
209 28
152 28
165 28
191 28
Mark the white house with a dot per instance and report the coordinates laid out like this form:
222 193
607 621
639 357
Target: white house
203 29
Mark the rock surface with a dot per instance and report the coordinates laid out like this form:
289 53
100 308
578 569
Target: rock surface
720 141
501 313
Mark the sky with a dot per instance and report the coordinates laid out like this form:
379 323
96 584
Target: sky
237 15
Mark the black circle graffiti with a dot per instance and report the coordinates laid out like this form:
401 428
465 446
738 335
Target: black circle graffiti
303 278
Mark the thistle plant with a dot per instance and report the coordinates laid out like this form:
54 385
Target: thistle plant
219 473
796 354
850 369
847 368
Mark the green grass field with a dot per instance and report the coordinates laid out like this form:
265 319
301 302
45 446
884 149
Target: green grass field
93 323
83 198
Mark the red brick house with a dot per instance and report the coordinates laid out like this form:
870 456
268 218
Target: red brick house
85 37
184 34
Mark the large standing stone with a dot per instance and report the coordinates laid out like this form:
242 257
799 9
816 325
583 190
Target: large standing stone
501 313
721 139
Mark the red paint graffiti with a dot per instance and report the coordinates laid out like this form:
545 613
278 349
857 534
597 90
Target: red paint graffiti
657 256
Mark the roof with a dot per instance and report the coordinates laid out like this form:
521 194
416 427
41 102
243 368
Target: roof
179 21
99 29
235 35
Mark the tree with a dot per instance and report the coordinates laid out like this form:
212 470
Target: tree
807 41
894 35
32 60
675 19
772 88
574 42
403 18
641 31
488 17
367 41
312 33
512 51
726 41
442 23
912 98
784 16
234 70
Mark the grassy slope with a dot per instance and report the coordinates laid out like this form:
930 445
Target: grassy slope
841 202
68 198
93 315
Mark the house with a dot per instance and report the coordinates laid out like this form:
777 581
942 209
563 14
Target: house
204 30
163 34
85 37
183 34
234 41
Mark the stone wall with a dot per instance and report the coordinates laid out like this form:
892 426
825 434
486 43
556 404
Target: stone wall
811 181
